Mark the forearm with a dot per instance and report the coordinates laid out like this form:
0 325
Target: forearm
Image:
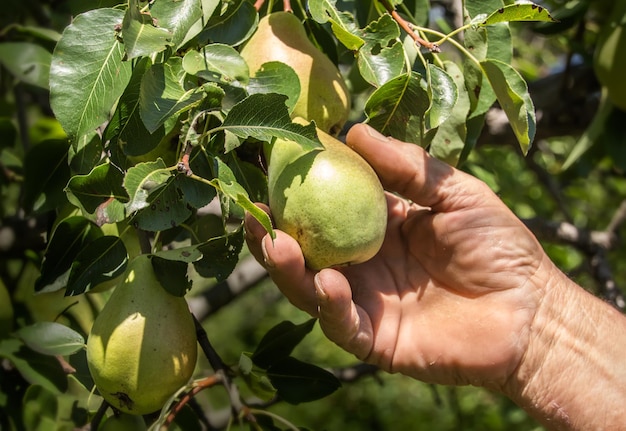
573 376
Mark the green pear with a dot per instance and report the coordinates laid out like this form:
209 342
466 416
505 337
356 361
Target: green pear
609 61
329 200
324 97
142 346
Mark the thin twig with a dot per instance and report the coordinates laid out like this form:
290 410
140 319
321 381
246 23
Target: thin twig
407 27
201 385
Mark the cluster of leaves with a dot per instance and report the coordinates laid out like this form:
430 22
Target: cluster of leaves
156 115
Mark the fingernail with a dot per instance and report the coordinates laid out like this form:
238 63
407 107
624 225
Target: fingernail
319 289
376 134
268 262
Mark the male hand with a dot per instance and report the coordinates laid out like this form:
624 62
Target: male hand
451 295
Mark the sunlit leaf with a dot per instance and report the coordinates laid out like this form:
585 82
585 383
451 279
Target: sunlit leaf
381 57
90 191
228 185
342 23
142 179
217 62
179 17
166 92
265 117
51 338
87 73
140 33
520 11
276 77
397 108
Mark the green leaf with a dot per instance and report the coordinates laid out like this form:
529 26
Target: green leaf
276 77
234 26
298 382
519 12
342 23
397 108
126 128
85 154
142 179
279 342
179 17
264 117
27 62
513 97
258 382
196 193
87 73
228 185
220 255
36 368
40 409
140 33
187 254
51 338
443 96
450 137
381 57
166 93
67 240
46 173
100 260
90 191
165 208
172 274
218 63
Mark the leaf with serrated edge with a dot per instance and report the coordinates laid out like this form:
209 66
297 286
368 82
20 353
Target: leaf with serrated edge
526 11
87 73
265 117
141 179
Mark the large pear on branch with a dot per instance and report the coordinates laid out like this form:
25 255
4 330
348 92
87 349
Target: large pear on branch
329 200
324 97
142 346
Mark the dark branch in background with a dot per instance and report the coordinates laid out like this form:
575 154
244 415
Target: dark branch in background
594 244
246 275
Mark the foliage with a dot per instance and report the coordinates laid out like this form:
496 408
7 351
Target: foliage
134 127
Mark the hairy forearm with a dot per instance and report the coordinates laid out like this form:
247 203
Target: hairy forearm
573 376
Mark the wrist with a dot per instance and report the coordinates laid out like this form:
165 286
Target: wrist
571 376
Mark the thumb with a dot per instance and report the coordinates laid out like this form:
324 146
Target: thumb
341 320
408 170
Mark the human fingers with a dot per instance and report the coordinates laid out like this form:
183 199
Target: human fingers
341 320
255 232
409 170
284 262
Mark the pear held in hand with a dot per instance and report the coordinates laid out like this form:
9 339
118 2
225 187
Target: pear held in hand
324 97
329 200
142 346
